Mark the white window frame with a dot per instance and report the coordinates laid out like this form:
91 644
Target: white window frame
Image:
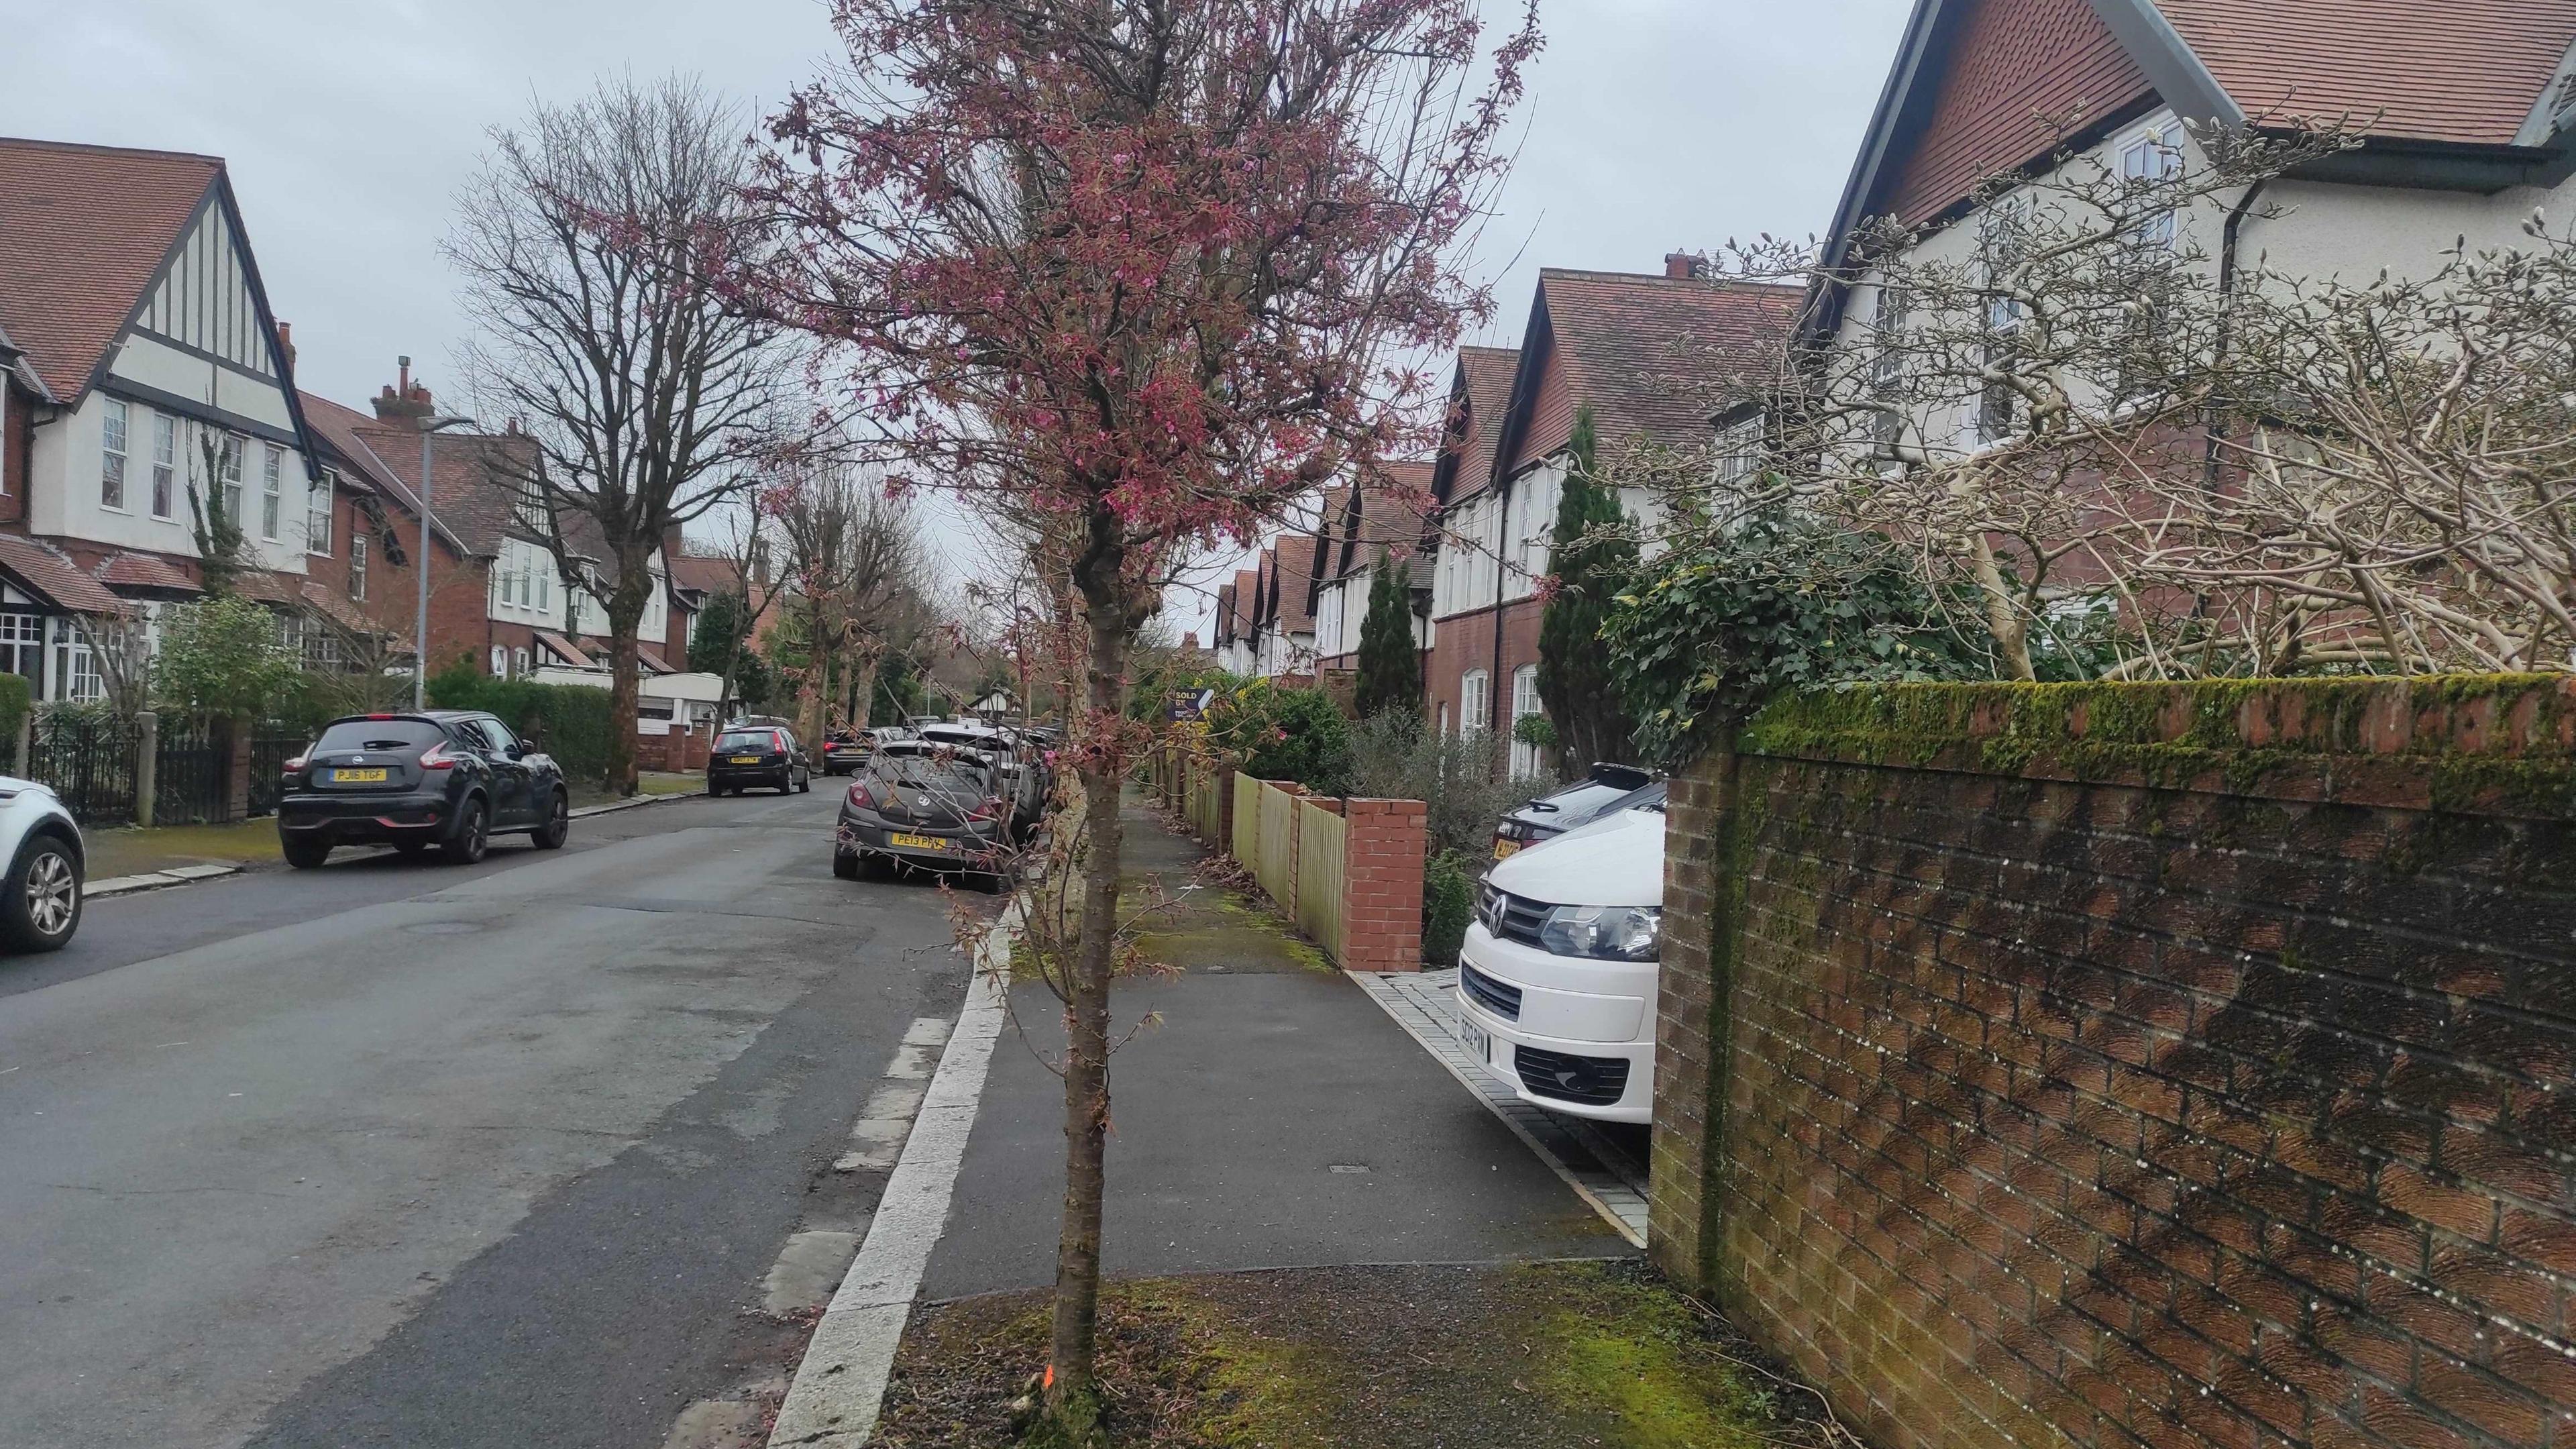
114 439
272 492
1475 701
318 503
358 564
22 645
165 465
2003 320
2153 152
1524 704
500 662
76 677
228 469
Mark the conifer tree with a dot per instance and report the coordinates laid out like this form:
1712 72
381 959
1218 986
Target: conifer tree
1591 560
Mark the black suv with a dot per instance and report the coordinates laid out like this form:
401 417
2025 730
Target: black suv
444 777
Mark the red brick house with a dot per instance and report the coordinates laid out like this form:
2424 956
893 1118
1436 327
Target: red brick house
1618 343
1388 514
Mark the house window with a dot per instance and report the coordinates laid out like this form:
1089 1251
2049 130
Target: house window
1475 701
1444 718
500 662
22 645
357 563
1525 760
1739 452
317 515
229 468
165 464
2002 240
2149 159
1887 367
75 664
111 455
519 661
545 587
272 492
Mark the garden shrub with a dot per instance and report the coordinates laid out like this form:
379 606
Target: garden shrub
1278 733
1448 904
15 702
1396 757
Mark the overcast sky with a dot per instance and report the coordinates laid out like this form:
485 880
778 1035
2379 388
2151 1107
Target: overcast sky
349 124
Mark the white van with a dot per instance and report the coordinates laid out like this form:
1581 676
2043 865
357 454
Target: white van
1556 986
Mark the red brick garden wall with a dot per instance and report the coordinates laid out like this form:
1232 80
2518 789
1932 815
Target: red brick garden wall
2137 1065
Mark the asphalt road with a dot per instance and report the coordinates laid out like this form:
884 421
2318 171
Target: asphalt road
402 1153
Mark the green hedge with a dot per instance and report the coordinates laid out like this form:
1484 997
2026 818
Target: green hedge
14 704
569 721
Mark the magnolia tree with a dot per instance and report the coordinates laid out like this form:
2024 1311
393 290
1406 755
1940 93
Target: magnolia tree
2110 435
1134 270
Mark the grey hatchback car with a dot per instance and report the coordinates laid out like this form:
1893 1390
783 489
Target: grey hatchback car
936 807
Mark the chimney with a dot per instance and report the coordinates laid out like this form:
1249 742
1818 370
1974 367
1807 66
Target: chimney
1190 642
286 343
406 400
1684 264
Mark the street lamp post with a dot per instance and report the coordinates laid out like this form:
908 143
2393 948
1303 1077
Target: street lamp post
429 426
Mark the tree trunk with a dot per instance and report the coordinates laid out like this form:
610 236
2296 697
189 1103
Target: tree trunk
1070 1398
863 712
625 609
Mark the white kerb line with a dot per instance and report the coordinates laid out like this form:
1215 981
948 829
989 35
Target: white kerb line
841 1383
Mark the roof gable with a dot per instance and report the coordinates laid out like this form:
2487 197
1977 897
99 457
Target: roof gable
1479 396
2008 69
1636 349
84 230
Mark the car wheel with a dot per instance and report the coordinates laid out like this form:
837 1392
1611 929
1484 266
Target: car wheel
714 789
845 864
558 826
305 854
473 835
44 897
806 785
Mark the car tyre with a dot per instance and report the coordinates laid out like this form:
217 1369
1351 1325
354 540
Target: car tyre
558 826
714 789
472 837
846 865
305 854
806 785
43 908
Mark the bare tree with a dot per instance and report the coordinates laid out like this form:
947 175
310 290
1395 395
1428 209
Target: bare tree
855 561
592 242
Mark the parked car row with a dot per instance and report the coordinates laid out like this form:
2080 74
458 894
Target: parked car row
946 796
1557 979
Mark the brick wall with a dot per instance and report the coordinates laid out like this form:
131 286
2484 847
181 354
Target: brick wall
2137 1065
1382 859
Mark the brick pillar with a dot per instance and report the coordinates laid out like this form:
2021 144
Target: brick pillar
1382 859
1686 1164
237 751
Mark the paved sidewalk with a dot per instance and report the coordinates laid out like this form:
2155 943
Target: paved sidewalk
1274 1116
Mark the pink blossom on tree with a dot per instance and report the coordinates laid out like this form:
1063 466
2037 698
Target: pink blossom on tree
1137 275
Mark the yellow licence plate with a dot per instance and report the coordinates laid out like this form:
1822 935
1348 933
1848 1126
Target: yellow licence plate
358 777
919 842
1506 849
743 760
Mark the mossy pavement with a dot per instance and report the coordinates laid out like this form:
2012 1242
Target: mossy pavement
1512 1356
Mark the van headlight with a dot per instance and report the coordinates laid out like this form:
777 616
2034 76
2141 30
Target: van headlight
1606 933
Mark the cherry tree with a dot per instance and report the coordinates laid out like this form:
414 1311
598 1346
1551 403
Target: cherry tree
1143 272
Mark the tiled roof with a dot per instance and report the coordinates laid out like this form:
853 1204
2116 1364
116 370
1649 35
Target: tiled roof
1485 378
564 649
2464 71
1638 348
1294 573
1224 631
474 505
708 575
83 230
319 595
1247 602
1390 512
150 571
56 577
337 428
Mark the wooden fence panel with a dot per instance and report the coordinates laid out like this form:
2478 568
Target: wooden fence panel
1321 839
1276 867
1246 845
